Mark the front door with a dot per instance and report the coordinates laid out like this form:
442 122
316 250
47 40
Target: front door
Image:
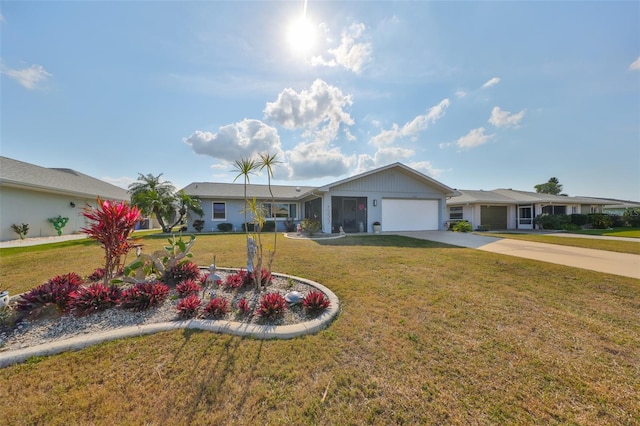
525 217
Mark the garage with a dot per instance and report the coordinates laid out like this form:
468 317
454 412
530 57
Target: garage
495 217
409 215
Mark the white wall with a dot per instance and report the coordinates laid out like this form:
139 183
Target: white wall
33 208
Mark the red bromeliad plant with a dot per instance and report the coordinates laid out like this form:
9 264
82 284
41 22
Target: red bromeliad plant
111 225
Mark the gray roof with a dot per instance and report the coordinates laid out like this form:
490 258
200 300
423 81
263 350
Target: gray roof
23 175
236 190
510 196
405 169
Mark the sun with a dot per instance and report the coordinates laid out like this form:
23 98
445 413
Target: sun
301 35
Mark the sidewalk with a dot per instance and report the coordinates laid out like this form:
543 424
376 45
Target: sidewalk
41 240
624 264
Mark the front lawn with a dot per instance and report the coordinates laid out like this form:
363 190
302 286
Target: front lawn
428 334
615 232
632 247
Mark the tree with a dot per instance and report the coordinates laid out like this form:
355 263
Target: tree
160 199
245 167
269 161
552 186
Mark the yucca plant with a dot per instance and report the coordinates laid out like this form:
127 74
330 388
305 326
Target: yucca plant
145 295
188 306
94 298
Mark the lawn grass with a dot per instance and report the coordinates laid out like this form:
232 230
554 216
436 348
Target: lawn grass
615 232
428 334
631 247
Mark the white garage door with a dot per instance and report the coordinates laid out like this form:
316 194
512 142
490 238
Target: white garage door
409 215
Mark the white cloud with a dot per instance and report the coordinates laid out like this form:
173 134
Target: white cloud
492 82
635 65
319 110
245 139
28 78
314 160
500 118
460 93
475 137
349 54
426 167
412 128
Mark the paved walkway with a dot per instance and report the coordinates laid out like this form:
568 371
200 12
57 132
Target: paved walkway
610 262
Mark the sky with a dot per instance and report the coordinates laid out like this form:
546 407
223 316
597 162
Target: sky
477 95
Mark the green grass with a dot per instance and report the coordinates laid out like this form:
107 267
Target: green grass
631 247
615 232
428 334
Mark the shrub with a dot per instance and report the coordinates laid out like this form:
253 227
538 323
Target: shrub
552 221
217 307
21 229
316 301
188 287
111 225
143 296
462 226
57 291
269 226
243 306
617 221
311 226
265 277
181 272
188 306
198 225
96 275
272 305
94 298
579 219
236 280
600 221
225 227
250 227
631 217
289 225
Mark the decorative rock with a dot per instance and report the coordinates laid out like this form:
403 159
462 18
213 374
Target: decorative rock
293 297
4 298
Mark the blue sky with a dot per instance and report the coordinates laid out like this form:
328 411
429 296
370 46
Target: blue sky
478 95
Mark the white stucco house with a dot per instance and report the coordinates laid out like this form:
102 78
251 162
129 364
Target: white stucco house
512 209
31 194
397 196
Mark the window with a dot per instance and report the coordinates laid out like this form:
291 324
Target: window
554 210
219 211
574 209
455 213
281 210
594 209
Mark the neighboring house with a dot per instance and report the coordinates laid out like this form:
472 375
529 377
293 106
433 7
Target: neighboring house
31 194
617 207
399 197
510 209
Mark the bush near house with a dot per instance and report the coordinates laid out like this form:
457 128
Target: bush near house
632 217
225 227
600 221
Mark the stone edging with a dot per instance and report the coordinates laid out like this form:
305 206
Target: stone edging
235 328
295 236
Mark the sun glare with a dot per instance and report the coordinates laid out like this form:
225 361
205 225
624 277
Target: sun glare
301 35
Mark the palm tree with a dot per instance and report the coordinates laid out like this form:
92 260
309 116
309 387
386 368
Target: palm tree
245 167
268 161
158 198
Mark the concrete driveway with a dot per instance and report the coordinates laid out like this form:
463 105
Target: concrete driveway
627 265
